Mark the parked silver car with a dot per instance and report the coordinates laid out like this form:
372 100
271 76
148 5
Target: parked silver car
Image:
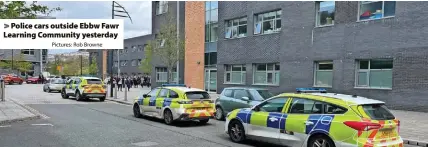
55 84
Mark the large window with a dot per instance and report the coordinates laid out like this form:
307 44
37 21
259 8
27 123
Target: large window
27 51
139 61
134 62
236 28
161 7
211 19
210 58
134 48
325 13
266 74
235 74
266 23
162 74
273 105
374 73
141 47
115 64
323 74
376 9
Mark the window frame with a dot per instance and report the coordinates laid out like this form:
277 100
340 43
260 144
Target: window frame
318 15
284 108
230 28
164 5
31 52
242 72
316 69
115 64
383 11
134 48
123 62
275 29
134 62
160 71
274 71
368 71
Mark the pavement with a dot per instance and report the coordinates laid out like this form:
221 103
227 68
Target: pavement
11 111
71 123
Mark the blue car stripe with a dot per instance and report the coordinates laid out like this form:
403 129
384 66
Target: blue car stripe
152 101
322 123
167 102
244 115
280 123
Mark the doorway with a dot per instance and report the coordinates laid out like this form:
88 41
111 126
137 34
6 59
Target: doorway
210 82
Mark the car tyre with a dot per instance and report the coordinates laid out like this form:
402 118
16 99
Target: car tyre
102 99
236 131
203 121
64 94
137 112
219 114
78 96
49 90
167 117
320 141
20 83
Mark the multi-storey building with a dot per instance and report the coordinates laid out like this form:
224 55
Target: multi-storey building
37 57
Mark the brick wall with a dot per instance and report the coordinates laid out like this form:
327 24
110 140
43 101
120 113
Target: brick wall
194 44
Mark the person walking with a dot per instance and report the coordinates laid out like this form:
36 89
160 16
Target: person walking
119 83
129 83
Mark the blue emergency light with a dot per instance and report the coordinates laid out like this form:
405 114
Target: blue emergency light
173 85
306 90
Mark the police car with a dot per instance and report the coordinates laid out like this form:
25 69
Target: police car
312 117
175 102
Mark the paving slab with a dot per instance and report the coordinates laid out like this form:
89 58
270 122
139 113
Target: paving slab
12 111
413 126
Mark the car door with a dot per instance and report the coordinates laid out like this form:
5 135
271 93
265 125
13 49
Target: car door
302 119
76 84
163 94
69 87
267 119
239 101
149 102
226 99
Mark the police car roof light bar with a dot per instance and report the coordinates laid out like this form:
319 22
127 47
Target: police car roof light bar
307 90
173 85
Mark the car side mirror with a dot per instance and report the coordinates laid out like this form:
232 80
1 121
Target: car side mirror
145 95
245 98
256 108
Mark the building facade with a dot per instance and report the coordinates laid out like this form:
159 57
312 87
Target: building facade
372 49
37 57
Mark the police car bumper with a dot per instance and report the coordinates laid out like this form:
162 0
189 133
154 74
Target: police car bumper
186 117
94 95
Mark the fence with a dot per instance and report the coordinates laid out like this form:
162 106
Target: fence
2 90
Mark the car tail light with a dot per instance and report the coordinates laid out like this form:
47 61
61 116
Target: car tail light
362 126
185 102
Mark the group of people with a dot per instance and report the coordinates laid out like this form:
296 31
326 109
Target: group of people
129 82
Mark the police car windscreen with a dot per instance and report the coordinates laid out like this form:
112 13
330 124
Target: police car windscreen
94 81
378 112
197 95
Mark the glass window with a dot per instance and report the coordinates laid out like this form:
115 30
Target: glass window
173 94
260 95
376 9
161 7
378 112
161 74
375 73
266 23
240 93
303 106
27 51
197 95
134 48
228 92
213 32
94 81
236 28
323 74
163 93
134 62
115 64
154 92
273 105
266 74
235 74
325 13
333 109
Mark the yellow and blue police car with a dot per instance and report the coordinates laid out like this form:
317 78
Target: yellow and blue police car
84 88
314 118
175 102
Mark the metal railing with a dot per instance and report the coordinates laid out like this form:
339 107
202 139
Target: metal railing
2 90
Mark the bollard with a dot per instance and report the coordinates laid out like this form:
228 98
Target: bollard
115 91
126 95
2 90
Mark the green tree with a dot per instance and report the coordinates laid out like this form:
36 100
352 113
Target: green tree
169 48
146 63
18 64
93 67
20 9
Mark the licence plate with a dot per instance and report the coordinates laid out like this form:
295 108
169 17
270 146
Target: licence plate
385 134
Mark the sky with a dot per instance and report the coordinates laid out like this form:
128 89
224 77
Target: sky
140 12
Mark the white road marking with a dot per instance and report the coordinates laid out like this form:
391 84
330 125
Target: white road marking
145 143
6 126
42 125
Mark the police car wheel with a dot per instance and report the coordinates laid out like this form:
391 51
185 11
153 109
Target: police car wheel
236 131
203 121
63 94
102 99
167 117
219 113
320 141
137 112
78 96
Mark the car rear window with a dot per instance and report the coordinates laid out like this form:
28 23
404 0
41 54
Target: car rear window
378 112
94 81
197 95
58 81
